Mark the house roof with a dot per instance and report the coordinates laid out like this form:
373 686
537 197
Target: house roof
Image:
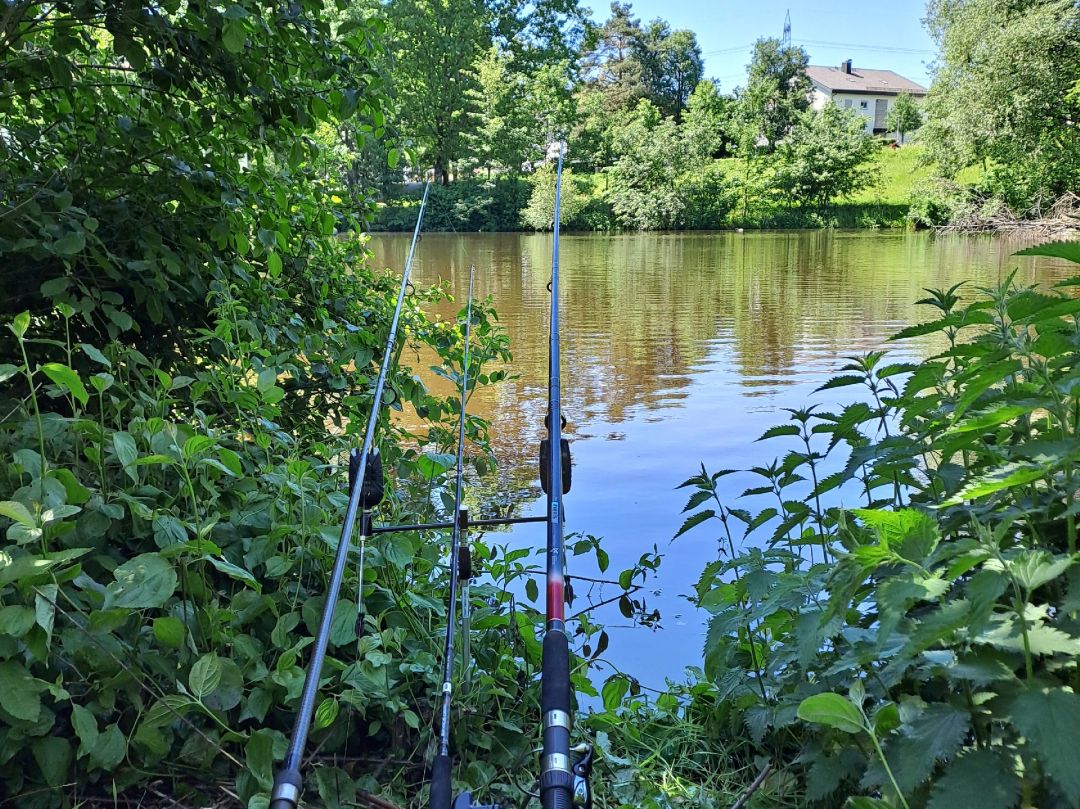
863 80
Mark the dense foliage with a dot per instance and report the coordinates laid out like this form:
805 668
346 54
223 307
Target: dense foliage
1000 96
191 332
944 609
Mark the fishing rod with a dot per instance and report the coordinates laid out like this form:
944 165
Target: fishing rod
365 492
564 782
460 566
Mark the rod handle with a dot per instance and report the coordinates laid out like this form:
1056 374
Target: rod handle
440 782
287 786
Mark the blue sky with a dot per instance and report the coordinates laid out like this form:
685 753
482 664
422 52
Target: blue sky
872 33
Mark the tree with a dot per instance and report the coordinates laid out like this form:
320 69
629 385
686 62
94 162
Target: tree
904 116
437 48
824 156
672 66
777 90
644 179
539 214
707 122
1000 94
613 64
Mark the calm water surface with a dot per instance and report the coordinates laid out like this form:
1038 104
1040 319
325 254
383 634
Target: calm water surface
678 350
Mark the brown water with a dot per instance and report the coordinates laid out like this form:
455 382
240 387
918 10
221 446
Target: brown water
678 350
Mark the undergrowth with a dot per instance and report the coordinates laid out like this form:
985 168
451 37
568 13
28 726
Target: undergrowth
917 647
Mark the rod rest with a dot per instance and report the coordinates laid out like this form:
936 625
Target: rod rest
374 486
464 801
545 464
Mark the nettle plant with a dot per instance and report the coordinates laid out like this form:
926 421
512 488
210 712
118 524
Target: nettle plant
921 650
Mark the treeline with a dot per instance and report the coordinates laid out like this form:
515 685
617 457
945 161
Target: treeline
479 89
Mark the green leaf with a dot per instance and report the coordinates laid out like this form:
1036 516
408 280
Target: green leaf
1008 476
234 572
66 379
233 36
832 710
19 691
841 382
169 631
95 355
70 243
693 520
532 590
259 756
126 452
398 550
326 713
85 726
1070 251
613 691
273 264
109 748
20 324
1033 569
16 620
935 733
981 422
392 157
205 675
14 510
7 370
1049 719
53 756
148 580
979 779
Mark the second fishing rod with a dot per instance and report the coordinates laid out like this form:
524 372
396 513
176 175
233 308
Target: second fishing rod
563 780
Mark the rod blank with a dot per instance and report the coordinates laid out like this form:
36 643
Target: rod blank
288 784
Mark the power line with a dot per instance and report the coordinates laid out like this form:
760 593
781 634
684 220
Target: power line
826 44
856 46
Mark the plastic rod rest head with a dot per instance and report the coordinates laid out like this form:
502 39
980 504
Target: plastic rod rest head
464 801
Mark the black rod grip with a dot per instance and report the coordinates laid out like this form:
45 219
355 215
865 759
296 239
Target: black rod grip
287 787
440 782
555 677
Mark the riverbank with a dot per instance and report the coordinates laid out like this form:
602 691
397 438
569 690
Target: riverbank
896 198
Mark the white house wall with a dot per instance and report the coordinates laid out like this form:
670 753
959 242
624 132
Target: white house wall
820 97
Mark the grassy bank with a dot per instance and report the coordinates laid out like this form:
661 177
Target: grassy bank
471 205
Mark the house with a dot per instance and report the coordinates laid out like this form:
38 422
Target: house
868 92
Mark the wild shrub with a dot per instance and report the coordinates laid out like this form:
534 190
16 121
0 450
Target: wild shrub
919 650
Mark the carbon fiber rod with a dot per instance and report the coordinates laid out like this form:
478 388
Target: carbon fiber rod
288 784
556 776
440 766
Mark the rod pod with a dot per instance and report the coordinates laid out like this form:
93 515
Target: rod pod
288 783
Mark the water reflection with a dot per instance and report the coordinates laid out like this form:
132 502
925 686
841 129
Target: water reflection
679 349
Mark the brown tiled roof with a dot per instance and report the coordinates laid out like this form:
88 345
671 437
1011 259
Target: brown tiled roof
862 80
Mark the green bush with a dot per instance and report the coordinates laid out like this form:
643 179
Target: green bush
944 610
468 206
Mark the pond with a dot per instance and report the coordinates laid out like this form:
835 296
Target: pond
680 350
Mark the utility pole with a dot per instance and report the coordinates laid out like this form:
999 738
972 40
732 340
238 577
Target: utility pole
786 40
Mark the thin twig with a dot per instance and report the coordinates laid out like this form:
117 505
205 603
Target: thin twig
755 784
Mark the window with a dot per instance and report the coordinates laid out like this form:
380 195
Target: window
862 104
847 103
